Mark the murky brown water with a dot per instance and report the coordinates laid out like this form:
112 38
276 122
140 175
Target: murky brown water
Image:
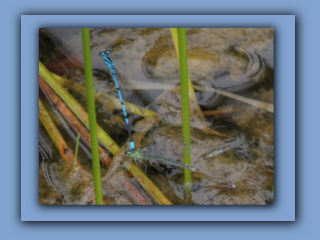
234 169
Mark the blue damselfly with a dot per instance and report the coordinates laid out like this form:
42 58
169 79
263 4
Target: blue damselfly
110 64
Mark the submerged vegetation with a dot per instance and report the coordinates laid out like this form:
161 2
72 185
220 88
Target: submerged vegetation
226 133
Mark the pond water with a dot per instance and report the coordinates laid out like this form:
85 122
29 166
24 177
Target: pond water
233 169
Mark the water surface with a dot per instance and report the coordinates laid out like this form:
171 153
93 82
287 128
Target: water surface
236 169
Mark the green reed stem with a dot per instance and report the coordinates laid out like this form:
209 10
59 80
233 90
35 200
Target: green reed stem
76 153
192 95
183 61
92 115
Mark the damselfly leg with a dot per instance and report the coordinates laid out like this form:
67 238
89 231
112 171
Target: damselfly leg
136 163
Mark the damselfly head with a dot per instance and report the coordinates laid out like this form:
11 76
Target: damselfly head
105 53
128 153
192 168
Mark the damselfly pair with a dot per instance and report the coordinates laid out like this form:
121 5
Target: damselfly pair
133 153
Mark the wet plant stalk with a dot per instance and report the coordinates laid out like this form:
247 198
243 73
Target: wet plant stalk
183 63
85 136
262 105
54 134
58 140
223 111
147 184
71 119
92 115
76 153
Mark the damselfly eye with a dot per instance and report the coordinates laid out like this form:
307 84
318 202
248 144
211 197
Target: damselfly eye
108 52
102 54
